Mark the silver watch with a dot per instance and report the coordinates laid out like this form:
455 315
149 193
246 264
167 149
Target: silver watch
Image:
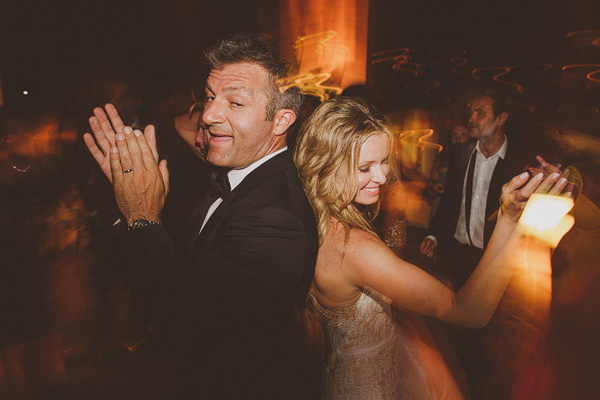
141 223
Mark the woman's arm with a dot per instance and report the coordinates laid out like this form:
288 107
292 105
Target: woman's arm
372 264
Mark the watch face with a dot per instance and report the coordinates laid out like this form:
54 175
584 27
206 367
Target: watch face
141 223
138 223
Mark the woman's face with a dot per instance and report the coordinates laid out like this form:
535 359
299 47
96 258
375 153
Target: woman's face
373 168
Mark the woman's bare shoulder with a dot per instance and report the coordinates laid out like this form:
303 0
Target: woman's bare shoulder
339 262
362 251
349 244
362 244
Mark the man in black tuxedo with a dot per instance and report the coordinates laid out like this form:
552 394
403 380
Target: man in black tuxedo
252 254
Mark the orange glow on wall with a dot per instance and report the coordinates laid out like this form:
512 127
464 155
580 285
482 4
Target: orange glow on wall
329 42
321 65
417 151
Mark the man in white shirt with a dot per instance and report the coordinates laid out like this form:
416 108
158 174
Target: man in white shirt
477 170
462 225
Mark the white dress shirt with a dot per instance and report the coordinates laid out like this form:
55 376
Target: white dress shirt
484 169
235 177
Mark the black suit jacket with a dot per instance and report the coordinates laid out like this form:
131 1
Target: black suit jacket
239 289
443 224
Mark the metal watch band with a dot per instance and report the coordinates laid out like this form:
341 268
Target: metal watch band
141 223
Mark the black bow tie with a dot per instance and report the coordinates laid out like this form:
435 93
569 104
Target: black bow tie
219 184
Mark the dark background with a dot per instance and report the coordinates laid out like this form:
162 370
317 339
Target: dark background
48 47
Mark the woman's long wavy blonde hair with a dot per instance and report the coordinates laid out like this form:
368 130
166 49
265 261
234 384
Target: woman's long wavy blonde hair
327 154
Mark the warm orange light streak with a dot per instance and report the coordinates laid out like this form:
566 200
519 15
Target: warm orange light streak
591 76
329 54
401 61
407 60
420 136
496 78
417 152
458 59
330 38
311 84
594 76
539 69
319 57
585 37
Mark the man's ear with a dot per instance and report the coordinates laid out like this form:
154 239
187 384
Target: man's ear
502 118
283 119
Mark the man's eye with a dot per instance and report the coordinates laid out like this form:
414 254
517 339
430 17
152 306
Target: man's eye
237 105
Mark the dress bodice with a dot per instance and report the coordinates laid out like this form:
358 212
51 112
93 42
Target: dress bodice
345 325
367 356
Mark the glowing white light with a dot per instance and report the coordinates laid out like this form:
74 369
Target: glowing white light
545 211
25 92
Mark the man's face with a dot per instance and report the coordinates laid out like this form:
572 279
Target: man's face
482 123
236 116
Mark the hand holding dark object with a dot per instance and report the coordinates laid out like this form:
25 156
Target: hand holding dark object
574 184
517 191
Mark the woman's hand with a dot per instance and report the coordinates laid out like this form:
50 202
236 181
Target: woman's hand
516 193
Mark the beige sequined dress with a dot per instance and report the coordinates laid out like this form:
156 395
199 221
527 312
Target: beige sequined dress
369 357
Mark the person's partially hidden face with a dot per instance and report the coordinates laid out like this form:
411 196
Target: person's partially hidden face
482 123
373 169
201 141
460 134
235 116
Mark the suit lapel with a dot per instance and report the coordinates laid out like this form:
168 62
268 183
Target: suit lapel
197 219
206 238
213 221
496 183
465 157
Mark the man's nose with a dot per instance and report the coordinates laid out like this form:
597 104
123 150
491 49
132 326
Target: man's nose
213 113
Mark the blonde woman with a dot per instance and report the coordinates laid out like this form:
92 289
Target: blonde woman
343 157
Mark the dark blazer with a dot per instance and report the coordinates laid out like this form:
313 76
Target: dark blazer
246 275
443 224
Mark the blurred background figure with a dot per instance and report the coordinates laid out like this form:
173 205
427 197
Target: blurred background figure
48 290
460 134
461 226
